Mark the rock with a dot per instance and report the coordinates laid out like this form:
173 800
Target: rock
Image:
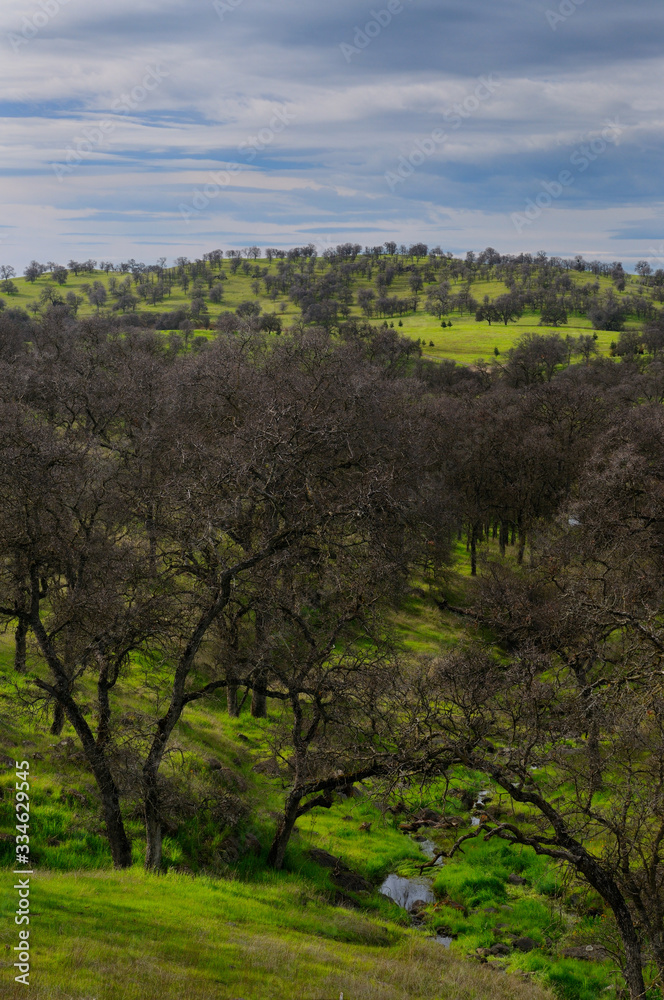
418 906
230 849
586 952
525 943
213 764
498 949
427 815
447 822
490 909
515 879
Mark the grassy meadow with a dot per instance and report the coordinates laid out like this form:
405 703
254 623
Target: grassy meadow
465 341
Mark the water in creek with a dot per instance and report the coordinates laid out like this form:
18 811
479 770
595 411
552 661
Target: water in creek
481 799
429 848
406 891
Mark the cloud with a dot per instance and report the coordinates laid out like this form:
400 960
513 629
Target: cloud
223 74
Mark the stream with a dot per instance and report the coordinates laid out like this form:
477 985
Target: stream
405 892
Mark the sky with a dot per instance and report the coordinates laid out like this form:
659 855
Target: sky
150 128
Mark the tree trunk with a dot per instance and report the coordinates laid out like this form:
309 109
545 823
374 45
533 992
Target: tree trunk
522 546
20 647
58 720
504 536
259 697
115 831
633 971
473 551
153 825
231 701
277 851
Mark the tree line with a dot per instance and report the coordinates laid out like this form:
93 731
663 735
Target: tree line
327 286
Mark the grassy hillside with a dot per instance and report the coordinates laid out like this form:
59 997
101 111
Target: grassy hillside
464 341
218 923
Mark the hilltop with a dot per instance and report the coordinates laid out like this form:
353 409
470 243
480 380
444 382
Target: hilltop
427 295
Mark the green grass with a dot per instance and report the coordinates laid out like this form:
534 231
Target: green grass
131 936
465 341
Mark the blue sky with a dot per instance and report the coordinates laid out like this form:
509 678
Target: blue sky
142 128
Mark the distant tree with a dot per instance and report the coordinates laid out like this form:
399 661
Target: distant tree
217 292
653 337
365 299
247 309
73 301
34 270
227 322
608 314
629 344
487 313
535 358
586 346
508 307
60 274
97 295
270 323
553 313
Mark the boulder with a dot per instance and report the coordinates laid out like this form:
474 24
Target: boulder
498 949
427 815
525 943
515 879
586 952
